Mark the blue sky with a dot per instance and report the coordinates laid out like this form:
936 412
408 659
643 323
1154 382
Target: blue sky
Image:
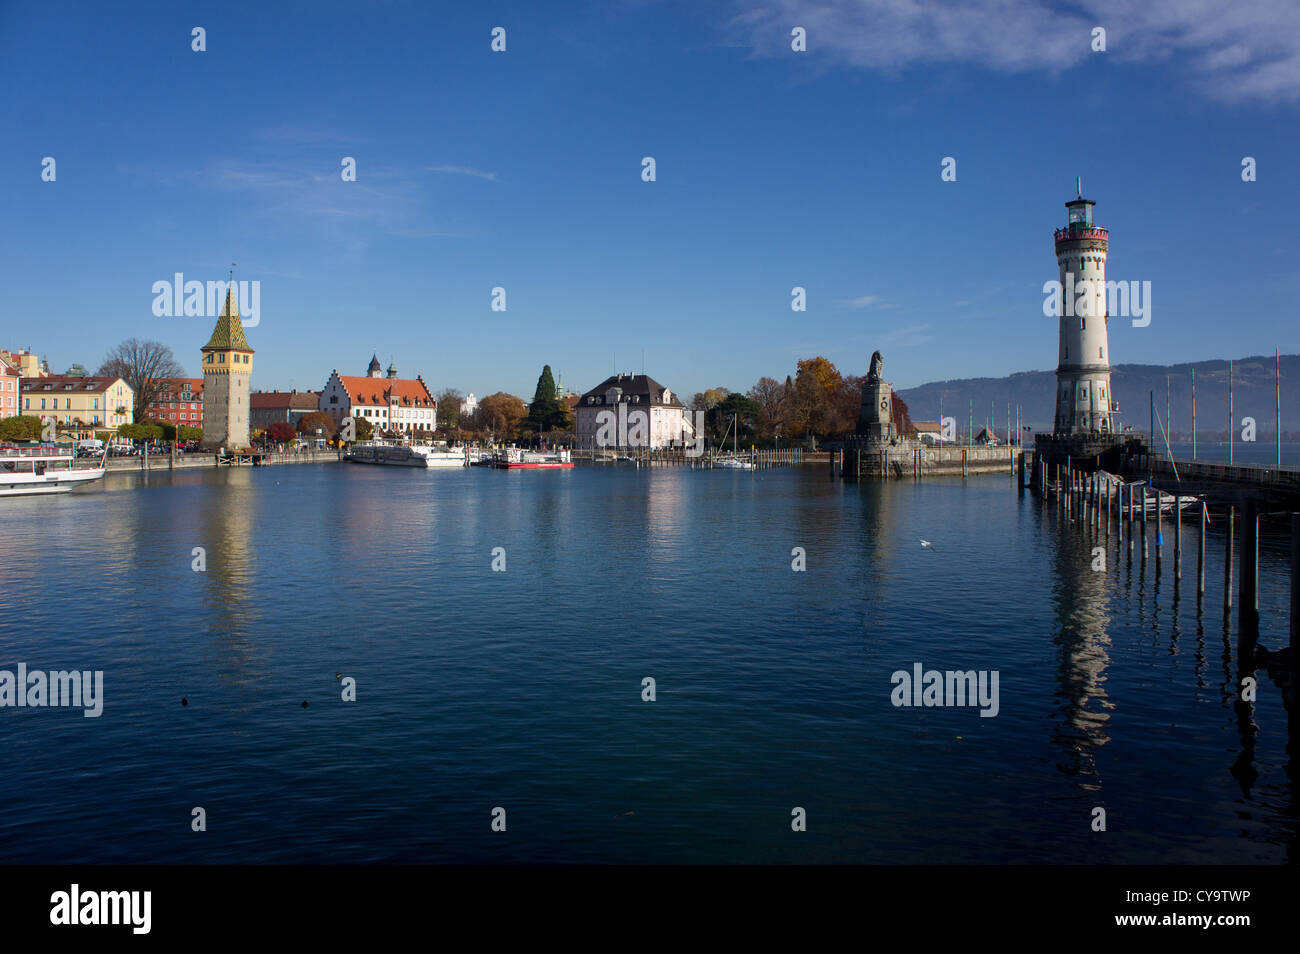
522 169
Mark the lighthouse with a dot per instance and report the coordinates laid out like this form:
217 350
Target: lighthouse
1084 404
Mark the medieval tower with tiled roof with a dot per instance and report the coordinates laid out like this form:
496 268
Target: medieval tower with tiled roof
227 370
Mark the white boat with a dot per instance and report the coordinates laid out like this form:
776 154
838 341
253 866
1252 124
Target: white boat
406 455
1139 494
734 462
731 463
42 469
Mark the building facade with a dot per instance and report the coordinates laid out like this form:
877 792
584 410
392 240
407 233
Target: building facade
1084 402
10 387
227 373
180 402
400 405
282 407
27 363
79 406
608 414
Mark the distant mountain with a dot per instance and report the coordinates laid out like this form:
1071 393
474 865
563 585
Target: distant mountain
1035 392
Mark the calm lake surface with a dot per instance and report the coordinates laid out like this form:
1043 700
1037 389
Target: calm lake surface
522 689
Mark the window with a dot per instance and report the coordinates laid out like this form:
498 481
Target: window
1100 353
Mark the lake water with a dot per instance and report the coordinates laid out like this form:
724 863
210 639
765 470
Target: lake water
522 689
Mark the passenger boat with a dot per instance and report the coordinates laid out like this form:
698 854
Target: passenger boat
42 469
406 455
516 458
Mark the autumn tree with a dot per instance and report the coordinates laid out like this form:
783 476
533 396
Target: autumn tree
317 420
280 432
145 366
815 384
500 414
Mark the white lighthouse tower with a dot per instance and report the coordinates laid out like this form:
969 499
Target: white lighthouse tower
1084 404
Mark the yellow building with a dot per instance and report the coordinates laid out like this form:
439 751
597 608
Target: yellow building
79 406
27 363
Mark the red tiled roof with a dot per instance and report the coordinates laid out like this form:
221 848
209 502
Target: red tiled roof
60 382
379 391
292 400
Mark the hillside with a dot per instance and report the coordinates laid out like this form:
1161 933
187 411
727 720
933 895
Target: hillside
1035 392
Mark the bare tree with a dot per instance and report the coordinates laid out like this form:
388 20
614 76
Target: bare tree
145 366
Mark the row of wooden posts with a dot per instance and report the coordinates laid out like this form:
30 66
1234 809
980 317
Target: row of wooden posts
1098 504
676 456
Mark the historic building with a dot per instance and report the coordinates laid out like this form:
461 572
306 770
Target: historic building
79 406
1083 396
608 414
27 363
10 385
389 403
180 402
227 371
283 407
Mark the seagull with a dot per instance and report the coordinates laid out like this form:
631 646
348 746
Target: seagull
926 544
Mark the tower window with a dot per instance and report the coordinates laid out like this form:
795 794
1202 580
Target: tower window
1100 353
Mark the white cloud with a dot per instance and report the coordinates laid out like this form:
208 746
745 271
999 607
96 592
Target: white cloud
464 171
1233 50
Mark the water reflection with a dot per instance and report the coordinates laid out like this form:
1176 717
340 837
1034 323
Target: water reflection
1080 597
226 532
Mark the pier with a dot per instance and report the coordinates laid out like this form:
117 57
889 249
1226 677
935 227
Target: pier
1134 512
681 457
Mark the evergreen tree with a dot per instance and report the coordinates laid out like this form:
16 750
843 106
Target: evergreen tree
545 411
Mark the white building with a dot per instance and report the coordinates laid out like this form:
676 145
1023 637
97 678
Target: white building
468 406
631 410
1083 399
390 403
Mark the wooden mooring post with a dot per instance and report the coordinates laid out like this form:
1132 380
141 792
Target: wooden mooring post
1248 594
1160 534
1200 556
1178 538
1295 586
1143 515
1227 562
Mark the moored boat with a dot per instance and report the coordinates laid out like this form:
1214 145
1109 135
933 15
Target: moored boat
515 458
42 469
406 455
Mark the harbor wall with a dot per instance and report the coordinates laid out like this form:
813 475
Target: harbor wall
863 458
118 465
